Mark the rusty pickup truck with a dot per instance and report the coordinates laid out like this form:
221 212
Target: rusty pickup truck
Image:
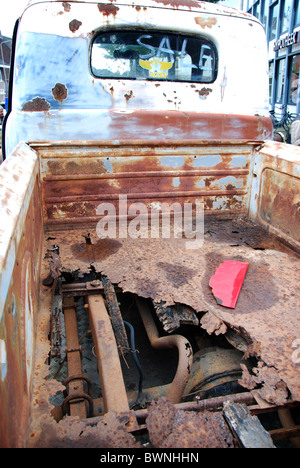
149 279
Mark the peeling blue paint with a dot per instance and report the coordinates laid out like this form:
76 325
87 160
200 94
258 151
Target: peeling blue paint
3 360
230 180
172 161
201 184
207 161
108 165
239 160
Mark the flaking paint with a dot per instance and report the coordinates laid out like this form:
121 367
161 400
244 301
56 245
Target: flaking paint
135 109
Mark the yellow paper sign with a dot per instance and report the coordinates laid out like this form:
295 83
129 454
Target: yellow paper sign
157 68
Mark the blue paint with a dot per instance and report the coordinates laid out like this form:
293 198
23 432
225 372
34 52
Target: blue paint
108 165
207 161
239 161
172 161
230 180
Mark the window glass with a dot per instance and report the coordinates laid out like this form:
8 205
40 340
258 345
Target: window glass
265 13
255 11
153 56
271 73
297 18
273 21
294 80
287 11
280 80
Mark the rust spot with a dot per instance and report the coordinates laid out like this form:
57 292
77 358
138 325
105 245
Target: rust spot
74 25
67 6
204 92
128 96
180 3
107 9
178 275
205 22
60 92
102 249
36 105
208 203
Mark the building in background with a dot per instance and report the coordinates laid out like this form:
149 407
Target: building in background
281 20
5 54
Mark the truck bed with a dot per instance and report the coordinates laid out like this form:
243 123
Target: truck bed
263 325
72 263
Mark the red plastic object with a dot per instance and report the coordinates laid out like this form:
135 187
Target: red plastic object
227 282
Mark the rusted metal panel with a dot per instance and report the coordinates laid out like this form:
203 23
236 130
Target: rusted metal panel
76 178
20 243
48 104
275 198
266 312
172 428
280 203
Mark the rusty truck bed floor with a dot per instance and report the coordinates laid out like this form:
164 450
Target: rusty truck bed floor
263 325
266 314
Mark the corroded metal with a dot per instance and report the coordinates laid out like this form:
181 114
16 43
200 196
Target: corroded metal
169 427
115 315
109 368
174 316
20 260
185 352
49 104
56 319
157 143
266 313
77 179
275 198
76 387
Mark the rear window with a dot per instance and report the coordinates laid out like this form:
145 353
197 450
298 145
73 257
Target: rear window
153 56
